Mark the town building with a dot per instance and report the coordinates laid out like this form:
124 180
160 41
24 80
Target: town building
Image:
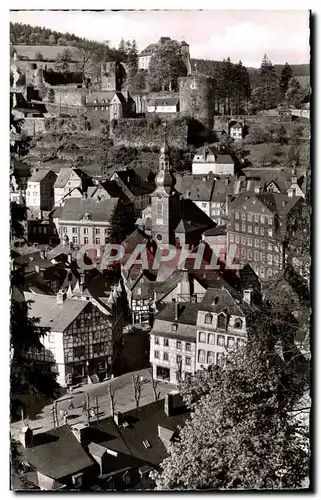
259 227
40 190
78 336
173 342
275 180
164 106
207 159
236 130
68 180
220 326
108 105
85 221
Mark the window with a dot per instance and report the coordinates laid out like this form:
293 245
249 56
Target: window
237 227
178 344
230 341
256 243
221 321
243 228
249 217
270 232
204 205
220 358
79 351
97 230
221 340
232 238
243 240
85 230
85 240
262 245
262 231
188 346
166 343
243 215
201 356
64 229
270 220
262 218
243 252
238 323
174 328
188 361
178 359
156 340
256 230
74 230
237 238
208 319
50 338
156 354
97 241
202 337
269 245
159 209
256 256
106 230
210 357
269 273
249 241
269 258
165 356
262 257
249 229
237 215
262 272
75 239
106 241
249 254
211 338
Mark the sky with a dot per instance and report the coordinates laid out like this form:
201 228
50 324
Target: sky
244 35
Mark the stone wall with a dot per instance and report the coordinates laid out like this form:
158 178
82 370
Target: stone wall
197 101
144 132
33 126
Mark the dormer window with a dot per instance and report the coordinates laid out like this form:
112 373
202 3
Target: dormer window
174 328
221 321
238 323
208 319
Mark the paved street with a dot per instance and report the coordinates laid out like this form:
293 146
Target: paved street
124 397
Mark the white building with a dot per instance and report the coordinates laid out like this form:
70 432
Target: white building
40 190
164 106
208 160
68 179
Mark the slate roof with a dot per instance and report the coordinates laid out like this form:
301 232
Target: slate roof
217 300
149 49
277 203
197 188
143 425
226 159
216 231
55 316
57 453
39 175
63 177
100 211
166 101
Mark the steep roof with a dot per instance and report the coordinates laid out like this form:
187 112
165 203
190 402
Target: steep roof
39 175
55 316
195 187
186 322
217 300
76 208
166 101
277 203
63 177
57 453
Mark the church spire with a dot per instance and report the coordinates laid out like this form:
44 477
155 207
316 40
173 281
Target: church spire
164 151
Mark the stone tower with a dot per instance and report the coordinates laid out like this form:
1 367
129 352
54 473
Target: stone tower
164 200
197 99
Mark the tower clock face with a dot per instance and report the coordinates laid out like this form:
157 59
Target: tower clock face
193 86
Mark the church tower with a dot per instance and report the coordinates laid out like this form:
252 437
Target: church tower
162 198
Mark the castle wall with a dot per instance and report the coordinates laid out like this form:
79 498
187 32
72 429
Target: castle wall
197 99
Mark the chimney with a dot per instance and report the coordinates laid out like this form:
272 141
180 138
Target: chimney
79 431
247 296
61 296
168 402
43 254
69 257
117 417
37 269
176 306
185 285
26 436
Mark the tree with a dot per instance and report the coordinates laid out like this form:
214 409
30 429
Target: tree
268 92
138 382
242 433
63 60
38 56
294 95
166 66
51 95
155 383
132 62
286 75
62 41
122 47
112 398
33 38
